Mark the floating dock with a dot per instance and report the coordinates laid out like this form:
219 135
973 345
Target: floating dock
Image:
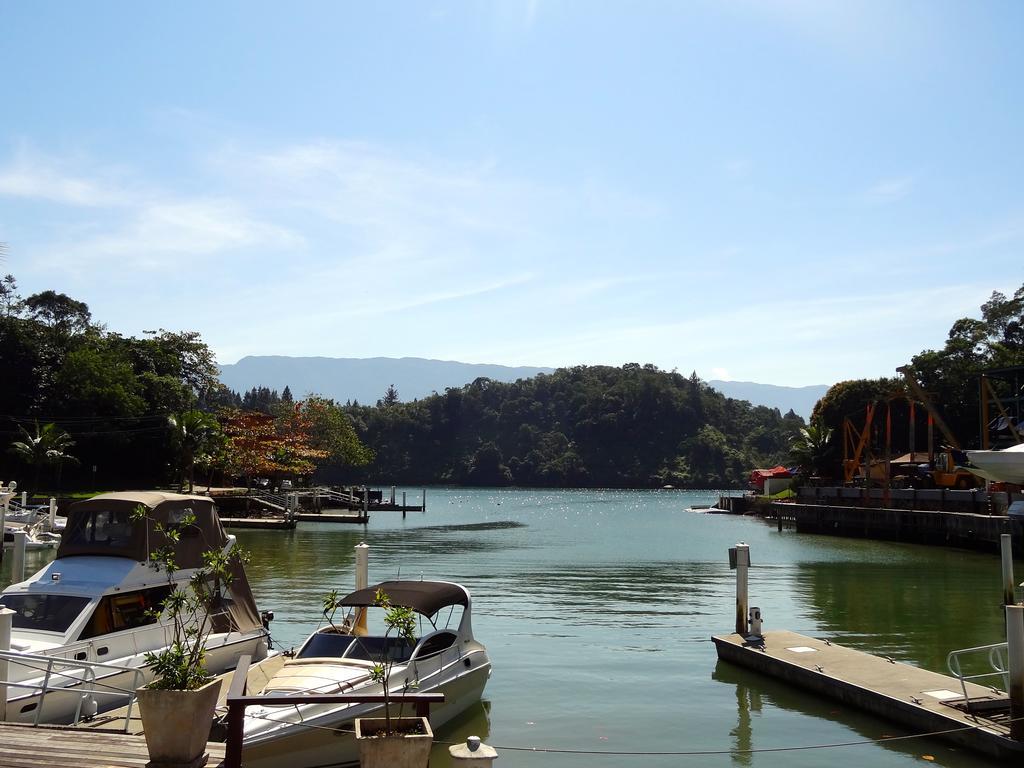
332 517
920 700
263 523
55 746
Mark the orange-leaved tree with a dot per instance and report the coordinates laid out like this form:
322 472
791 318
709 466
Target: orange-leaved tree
261 444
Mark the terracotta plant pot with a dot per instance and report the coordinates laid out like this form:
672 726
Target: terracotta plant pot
177 724
401 749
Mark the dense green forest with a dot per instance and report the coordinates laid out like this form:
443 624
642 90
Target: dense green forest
634 426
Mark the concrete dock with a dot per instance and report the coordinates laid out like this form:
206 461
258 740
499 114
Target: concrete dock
921 701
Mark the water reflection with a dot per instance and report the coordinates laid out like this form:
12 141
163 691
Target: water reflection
756 693
475 721
914 611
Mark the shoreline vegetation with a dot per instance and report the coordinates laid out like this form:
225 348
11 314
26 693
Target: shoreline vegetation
86 408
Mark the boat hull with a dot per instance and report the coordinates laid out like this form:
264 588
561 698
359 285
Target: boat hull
332 742
1004 466
59 706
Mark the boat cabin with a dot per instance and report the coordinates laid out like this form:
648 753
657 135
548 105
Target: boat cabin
442 608
102 582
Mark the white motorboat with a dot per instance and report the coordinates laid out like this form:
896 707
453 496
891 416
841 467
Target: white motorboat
444 658
91 615
1005 466
35 537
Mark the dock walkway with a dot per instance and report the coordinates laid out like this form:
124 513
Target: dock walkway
920 700
25 746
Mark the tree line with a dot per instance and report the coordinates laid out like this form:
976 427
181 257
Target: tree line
633 426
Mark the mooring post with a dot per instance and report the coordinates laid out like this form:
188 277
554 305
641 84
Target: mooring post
392 495
6 623
53 512
24 499
473 754
3 519
423 504
1015 652
740 558
366 501
18 563
362 581
1006 548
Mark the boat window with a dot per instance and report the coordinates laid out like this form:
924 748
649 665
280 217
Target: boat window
380 649
126 611
44 613
325 644
435 644
111 528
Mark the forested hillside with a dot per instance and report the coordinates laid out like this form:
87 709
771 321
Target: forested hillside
634 426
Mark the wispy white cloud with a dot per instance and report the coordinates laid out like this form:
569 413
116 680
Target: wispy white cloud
890 190
159 234
34 176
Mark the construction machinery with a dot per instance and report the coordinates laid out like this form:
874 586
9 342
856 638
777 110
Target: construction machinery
939 468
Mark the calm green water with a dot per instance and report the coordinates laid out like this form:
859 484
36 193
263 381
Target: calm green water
597 608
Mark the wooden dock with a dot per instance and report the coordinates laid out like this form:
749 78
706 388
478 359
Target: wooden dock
332 517
922 701
260 523
52 746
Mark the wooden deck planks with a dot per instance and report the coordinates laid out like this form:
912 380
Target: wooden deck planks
23 746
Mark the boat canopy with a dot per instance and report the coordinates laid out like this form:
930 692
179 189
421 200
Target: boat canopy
103 526
426 597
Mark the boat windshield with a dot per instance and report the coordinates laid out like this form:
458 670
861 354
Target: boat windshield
44 613
325 644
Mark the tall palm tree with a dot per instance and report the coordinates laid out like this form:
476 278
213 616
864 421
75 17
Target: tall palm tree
812 449
48 446
195 433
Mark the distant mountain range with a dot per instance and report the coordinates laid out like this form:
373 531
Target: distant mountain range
362 379
800 399
366 379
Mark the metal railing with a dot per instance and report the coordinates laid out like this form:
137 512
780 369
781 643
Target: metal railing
237 701
998 660
84 685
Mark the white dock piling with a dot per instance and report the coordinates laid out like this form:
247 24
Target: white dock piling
366 501
1015 652
392 495
6 623
18 563
24 499
742 563
362 582
53 513
1006 548
3 521
362 565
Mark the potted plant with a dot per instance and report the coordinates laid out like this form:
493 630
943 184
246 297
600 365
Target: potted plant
177 707
390 741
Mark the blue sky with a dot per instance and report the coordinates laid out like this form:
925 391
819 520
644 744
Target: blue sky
790 191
